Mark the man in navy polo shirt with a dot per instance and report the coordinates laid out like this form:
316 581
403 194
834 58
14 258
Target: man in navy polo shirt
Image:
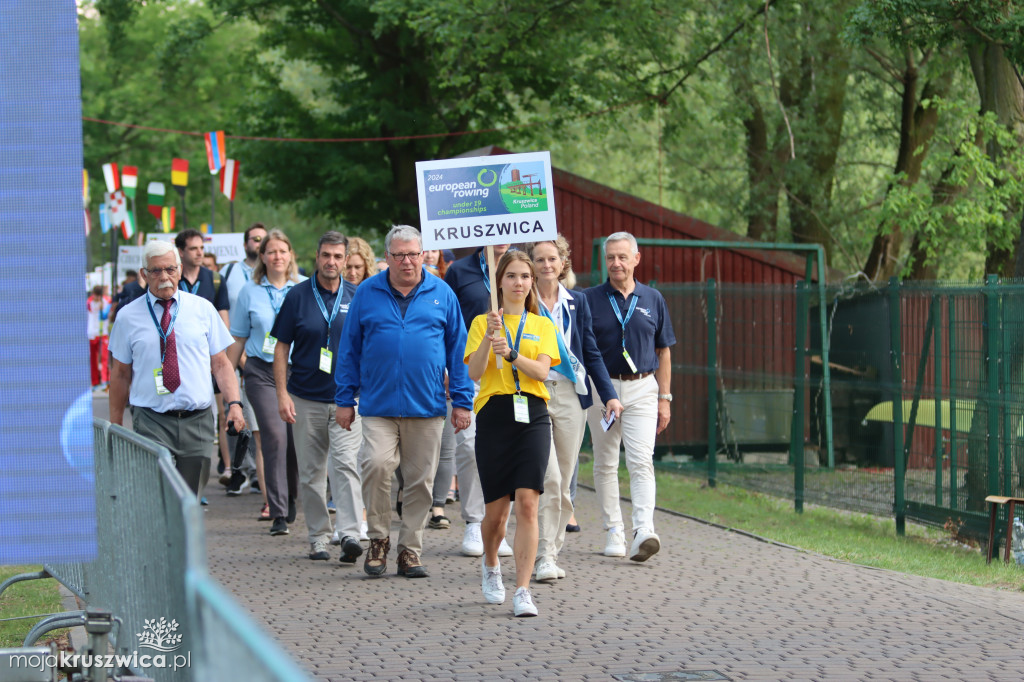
634 333
195 279
469 280
309 328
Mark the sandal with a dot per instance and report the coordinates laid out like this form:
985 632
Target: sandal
265 513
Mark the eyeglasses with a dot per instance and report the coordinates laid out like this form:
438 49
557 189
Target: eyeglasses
157 272
256 239
406 256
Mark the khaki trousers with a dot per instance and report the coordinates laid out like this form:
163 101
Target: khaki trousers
412 445
568 422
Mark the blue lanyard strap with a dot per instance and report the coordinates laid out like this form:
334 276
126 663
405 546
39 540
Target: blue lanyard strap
483 269
276 306
185 287
323 308
160 330
519 339
618 314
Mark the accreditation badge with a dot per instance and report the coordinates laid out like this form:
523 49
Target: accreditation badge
158 378
326 356
521 409
269 343
629 361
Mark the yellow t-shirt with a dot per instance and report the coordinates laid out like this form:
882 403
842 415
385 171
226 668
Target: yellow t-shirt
538 339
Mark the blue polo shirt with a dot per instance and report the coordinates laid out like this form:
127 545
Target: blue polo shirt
468 279
203 286
255 311
301 324
648 328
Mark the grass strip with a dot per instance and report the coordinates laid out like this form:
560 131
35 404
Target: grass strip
27 598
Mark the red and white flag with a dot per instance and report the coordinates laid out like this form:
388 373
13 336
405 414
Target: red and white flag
229 179
118 208
111 177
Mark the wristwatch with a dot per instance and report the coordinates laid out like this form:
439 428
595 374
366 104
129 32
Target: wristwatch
227 405
512 355
665 396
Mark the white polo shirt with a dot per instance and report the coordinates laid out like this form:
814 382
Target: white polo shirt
199 333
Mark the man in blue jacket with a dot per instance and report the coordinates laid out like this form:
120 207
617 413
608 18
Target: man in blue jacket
404 330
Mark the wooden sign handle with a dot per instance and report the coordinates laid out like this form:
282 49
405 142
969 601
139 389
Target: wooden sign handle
494 292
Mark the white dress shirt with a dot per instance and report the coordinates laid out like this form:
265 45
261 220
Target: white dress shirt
199 333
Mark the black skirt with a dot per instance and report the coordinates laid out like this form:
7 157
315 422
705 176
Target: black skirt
510 454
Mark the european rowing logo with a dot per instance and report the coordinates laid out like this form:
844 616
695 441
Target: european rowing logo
645 311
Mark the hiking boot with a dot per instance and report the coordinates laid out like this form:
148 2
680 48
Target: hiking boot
409 565
377 557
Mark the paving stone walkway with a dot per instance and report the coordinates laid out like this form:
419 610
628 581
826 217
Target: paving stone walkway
713 604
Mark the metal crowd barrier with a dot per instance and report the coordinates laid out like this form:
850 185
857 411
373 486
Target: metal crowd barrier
151 575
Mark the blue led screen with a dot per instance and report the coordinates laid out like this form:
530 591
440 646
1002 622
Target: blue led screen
47 498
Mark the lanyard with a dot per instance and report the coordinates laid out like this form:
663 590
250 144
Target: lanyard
160 330
618 314
323 308
483 269
519 338
185 287
277 306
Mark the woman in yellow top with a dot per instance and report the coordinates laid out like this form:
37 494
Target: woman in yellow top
513 427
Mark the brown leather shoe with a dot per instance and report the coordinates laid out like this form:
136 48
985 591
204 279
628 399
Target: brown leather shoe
409 565
377 557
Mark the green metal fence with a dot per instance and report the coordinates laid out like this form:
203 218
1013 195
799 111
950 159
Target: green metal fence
921 394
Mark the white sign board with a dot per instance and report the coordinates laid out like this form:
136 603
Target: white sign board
483 200
128 258
227 246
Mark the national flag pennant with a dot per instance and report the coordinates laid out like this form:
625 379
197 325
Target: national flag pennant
129 180
179 174
229 179
216 152
105 214
128 226
85 188
118 208
167 219
155 193
110 176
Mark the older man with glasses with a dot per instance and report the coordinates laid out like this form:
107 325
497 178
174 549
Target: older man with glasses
403 334
165 344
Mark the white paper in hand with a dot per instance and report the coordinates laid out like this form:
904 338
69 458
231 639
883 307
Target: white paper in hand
607 421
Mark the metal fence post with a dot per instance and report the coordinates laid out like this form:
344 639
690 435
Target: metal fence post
953 476
896 391
796 442
712 317
937 380
992 337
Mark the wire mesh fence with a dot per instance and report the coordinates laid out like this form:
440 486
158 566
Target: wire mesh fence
907 401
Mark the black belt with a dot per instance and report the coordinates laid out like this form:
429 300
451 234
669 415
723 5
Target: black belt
178 414
631 377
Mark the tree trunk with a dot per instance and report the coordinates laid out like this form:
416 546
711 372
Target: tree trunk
763 193
917 126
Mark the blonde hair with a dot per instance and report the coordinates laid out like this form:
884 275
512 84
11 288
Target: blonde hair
566 276
360 247
532 296
260 271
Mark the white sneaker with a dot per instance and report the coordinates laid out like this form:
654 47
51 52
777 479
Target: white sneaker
504 549
473 541
335 540
522 603
546 571
364 531
615 545
645 544
493 588
561 573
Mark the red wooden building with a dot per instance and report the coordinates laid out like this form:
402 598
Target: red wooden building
755 306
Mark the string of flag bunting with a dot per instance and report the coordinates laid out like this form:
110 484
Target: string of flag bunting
122 183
